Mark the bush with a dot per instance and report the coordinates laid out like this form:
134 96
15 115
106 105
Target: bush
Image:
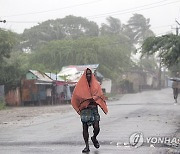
2 104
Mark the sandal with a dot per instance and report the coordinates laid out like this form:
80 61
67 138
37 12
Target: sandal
85 150
95 142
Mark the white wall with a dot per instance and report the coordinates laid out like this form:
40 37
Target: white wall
106 84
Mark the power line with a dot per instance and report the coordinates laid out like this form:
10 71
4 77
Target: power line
160 26
22 22
132 9
102 15
157 27
163 33
143 7
40 12
129 8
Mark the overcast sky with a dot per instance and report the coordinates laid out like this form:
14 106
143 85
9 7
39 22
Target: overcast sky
21 14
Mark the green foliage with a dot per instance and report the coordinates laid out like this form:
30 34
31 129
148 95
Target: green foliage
70 27
113 27
174 69
2 104
7 41
111 53
148 63
8 70
71 41
167 47
138 28
13 69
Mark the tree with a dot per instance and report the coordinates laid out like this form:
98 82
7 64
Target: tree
113 27
138 28
174 69
111 53
9 69
148 63
167 47
7 41
70 27
114 56
75 27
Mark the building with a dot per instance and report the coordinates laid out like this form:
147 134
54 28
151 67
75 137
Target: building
36 88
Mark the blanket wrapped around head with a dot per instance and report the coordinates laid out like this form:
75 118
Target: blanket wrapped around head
83 93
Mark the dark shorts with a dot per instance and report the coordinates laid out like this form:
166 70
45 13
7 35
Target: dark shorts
90 115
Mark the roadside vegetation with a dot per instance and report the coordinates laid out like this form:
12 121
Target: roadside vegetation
75 40
2 104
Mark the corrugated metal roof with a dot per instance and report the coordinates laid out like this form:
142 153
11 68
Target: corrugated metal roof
54 76
93 67
41 76
74 72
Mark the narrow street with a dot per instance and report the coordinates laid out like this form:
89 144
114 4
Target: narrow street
152 113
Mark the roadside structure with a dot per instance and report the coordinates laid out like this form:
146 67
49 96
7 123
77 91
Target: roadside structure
73 73
36 87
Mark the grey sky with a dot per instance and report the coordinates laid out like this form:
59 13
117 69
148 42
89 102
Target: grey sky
21 14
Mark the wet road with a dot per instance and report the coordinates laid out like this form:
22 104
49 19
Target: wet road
151 112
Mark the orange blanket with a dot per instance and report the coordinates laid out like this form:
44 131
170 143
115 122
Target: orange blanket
83 92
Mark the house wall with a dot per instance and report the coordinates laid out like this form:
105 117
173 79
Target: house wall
29 90
30 76
13 97
106 84
137 79
149 80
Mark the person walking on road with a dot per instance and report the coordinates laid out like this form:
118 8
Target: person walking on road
175 90
176 87
86 98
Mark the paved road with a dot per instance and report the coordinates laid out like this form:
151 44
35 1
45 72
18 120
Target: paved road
151 112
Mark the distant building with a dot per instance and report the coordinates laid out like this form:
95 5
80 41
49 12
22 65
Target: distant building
35 88
61 89
73 73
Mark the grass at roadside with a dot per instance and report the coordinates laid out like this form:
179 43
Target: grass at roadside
2 105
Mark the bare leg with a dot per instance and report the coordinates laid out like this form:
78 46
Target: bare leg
175 92
96 129
86 137
96 132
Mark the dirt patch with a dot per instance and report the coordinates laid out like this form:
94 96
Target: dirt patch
13 115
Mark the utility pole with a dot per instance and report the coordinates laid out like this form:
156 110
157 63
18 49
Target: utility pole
159 74
177 28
